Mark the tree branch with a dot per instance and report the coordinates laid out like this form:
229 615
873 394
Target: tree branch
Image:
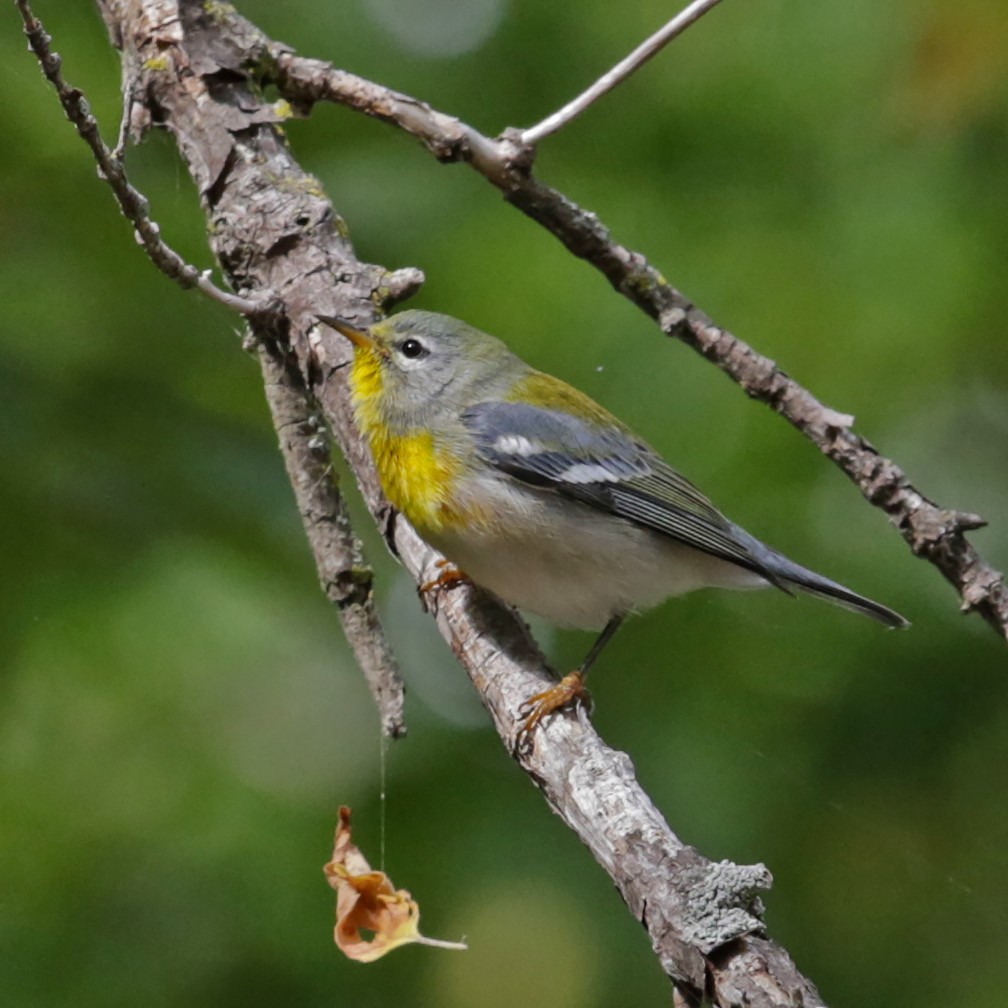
132 203
275 234
345 577
931 531
306 239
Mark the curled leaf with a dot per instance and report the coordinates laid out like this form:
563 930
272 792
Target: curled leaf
372 917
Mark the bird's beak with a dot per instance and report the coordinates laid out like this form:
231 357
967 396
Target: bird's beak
358 337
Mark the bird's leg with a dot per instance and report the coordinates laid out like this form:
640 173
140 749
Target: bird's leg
450 577
570 688
608 632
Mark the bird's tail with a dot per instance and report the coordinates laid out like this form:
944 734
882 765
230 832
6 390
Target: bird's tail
787 571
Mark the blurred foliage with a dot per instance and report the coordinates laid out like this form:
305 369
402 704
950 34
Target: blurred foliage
179 718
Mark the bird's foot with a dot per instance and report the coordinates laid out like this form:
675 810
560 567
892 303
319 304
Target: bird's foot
569 690
450 577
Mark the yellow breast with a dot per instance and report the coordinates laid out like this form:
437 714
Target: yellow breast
417 477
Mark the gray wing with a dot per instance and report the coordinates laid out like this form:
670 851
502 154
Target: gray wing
608 469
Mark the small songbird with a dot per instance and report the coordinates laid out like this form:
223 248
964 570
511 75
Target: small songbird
540 495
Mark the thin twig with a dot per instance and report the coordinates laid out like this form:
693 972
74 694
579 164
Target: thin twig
346 578
648 48
132 203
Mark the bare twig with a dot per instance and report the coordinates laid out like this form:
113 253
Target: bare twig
132 203
619 73
345 577
932 532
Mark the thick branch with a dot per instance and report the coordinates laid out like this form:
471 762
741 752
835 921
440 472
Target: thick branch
932 532
274 232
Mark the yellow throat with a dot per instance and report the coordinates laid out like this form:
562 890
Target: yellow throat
417 477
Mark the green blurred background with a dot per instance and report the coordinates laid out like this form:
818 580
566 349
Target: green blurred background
179 717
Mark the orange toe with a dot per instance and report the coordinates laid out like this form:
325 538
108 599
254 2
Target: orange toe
569 690
450 577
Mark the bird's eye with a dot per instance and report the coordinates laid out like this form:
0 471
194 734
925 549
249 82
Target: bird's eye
413 349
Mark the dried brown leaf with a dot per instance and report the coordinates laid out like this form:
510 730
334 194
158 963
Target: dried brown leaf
372 917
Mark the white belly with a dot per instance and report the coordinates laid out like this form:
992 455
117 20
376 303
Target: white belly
577 566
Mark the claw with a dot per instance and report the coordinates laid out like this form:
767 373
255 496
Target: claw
569 690
450 577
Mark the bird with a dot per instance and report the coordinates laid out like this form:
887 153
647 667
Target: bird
533 491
